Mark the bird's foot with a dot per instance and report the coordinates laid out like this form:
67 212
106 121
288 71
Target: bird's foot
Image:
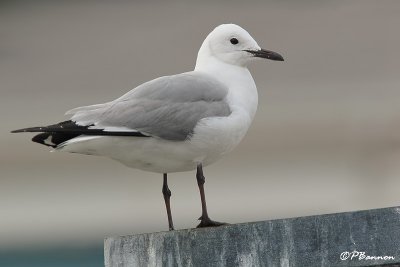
207 222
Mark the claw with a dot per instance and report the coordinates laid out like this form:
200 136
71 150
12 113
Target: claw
209 223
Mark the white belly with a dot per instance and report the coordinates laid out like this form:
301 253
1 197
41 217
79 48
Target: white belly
212 139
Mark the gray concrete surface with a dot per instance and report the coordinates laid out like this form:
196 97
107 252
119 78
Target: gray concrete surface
339 239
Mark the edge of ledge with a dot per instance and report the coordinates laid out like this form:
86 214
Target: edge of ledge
316 240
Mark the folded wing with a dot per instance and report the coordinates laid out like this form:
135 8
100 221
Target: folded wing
168 107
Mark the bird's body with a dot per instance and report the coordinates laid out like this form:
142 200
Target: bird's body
174 123
212 137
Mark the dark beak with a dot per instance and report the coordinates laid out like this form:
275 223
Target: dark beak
266 54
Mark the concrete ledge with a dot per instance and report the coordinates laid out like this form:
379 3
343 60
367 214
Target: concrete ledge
306 241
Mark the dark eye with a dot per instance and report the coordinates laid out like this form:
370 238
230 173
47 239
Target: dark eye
234 41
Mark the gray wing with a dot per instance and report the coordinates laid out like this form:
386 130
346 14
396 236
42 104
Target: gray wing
168 107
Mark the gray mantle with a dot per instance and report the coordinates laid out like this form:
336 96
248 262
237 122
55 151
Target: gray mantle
306 241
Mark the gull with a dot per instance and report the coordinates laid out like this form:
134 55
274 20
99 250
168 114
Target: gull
174 123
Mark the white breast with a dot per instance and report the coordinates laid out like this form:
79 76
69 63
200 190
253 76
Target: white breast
219 136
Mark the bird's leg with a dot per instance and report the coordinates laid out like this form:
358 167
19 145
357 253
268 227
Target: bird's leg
167 195
205 220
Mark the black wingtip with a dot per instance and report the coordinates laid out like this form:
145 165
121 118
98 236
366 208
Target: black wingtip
18 131
71 129
47 139
26 130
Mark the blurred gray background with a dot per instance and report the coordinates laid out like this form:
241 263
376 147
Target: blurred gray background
326 137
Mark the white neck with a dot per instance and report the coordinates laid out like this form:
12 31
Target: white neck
242 89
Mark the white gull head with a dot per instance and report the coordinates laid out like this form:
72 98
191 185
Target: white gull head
231 44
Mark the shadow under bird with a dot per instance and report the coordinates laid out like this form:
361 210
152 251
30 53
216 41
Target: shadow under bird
173 123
